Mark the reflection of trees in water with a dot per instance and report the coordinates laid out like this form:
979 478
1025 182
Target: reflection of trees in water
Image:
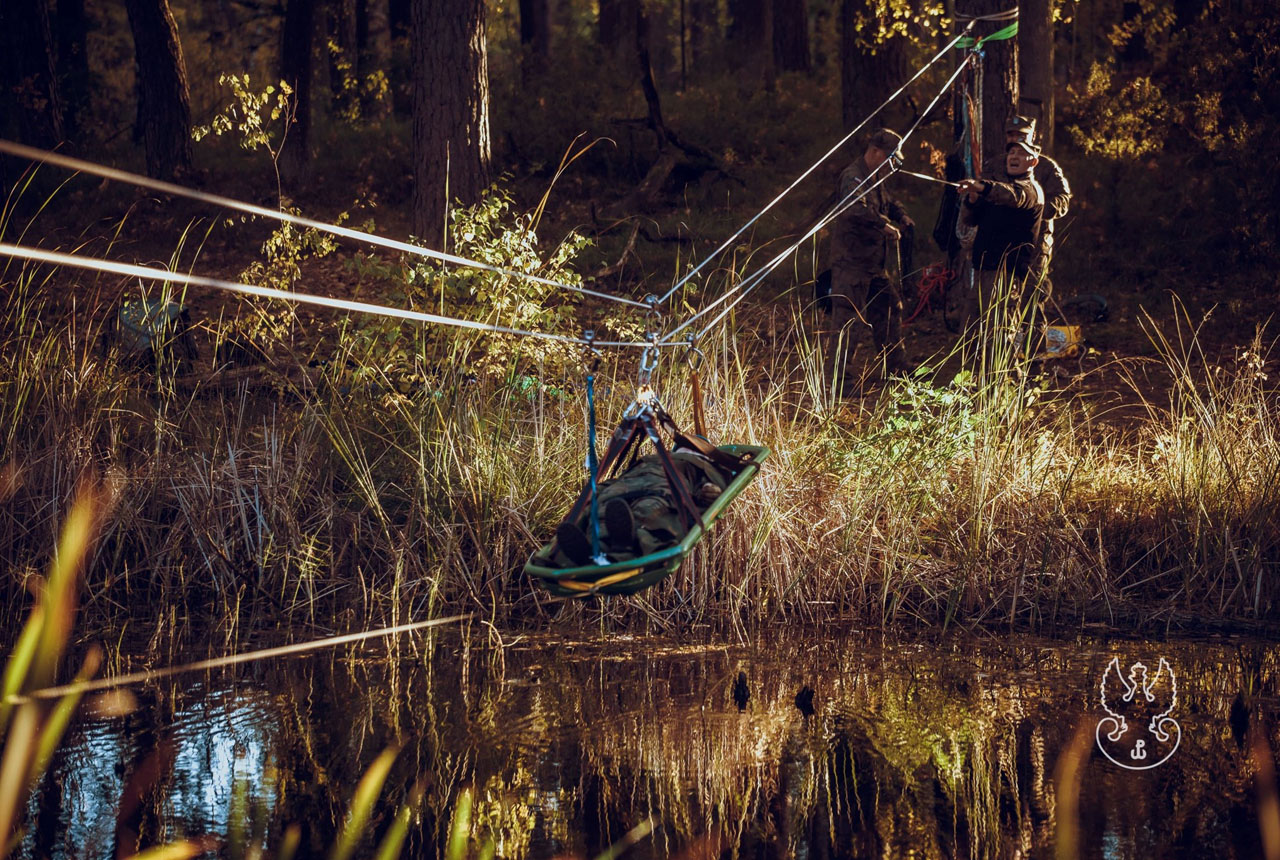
938 752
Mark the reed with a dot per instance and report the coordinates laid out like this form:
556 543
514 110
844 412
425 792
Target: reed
413 472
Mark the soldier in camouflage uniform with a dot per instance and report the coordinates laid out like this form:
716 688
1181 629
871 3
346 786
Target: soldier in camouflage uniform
862 239
1006 251
1057 195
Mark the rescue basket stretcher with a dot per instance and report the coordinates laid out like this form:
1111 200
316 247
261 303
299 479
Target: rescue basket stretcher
636 574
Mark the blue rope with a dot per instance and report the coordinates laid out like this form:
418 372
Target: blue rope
593 465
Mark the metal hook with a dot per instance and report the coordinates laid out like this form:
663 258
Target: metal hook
694 356
592 352
649 360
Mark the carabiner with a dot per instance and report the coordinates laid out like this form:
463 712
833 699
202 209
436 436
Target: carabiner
591 353
694 356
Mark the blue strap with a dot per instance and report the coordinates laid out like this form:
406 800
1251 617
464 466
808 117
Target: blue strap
593 465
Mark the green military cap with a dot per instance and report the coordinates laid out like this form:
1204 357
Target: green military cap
1026 146
1020 125
885 139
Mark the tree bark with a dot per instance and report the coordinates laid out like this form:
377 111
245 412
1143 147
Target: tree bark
342 29
451 149
535 27
791 35
871 66
31 102
616 30
296 70
999 77
704 32
1035 32
164 105
376 56
750 37
73 64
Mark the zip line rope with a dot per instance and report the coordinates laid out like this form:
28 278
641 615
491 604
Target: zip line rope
1007 15
96 264
58 160
80 687
747 284
757 278
830 152
744 287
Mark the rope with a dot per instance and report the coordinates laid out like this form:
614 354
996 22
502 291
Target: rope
98 265
593 467
934 279
832 151
222 662
1007 15
750 283
699 410
756 278
928 177
58 160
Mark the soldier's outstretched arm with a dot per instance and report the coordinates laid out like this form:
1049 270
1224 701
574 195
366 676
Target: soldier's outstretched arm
1013 194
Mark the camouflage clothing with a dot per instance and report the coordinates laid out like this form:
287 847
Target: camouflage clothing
1007 215
1008 218
654 510
1057 200
860 281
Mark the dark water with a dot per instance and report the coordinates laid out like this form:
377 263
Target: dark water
910 750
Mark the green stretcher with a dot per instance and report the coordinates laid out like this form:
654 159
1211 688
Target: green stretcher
628 577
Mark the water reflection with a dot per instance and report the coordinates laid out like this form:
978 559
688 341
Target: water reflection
797 748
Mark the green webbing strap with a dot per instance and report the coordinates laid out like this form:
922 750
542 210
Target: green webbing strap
998 36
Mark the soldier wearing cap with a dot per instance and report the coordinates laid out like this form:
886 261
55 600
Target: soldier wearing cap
862 240
1008 217
1057 193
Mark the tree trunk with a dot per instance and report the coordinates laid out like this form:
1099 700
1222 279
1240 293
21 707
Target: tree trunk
750 37
296 71
704 32
73 64
450 110
999 77
616 30
31 102
342 30
1035 32
871 66
164 106
791 35
376 56
535 27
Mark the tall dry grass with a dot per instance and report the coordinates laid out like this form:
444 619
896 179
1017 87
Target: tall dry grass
377 485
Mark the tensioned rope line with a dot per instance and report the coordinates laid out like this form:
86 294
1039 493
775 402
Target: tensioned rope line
70 163
96 264
830 152
928 177
1007 15
222 662
758 278
747 284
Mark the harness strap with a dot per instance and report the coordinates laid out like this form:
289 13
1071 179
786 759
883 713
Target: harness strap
623 439
593 466
684 498
699 413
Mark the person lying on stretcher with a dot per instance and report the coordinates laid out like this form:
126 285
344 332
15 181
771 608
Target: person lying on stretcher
639 513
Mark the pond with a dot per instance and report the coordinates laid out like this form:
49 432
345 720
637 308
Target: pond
802 745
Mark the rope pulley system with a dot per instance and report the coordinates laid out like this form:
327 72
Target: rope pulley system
645 418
